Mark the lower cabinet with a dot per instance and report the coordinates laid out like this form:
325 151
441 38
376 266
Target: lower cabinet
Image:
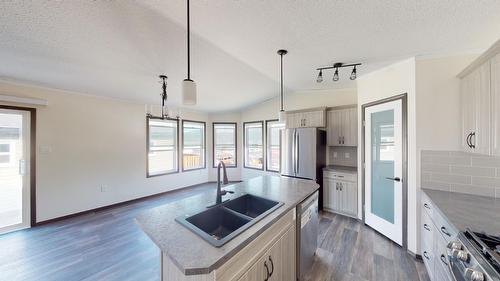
270 256
340 193
435 234
277 264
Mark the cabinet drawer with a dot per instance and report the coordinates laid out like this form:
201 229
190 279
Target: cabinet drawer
446 231
441 257
427 205
427 229
340 176
428 258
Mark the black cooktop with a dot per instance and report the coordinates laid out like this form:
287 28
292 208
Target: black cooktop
487 245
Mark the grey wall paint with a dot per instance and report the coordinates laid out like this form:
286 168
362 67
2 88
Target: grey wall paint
343 156
461 172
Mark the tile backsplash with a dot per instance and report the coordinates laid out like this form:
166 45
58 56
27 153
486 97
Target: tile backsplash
460 172
343 155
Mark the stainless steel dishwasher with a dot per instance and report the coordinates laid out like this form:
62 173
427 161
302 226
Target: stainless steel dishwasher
307 234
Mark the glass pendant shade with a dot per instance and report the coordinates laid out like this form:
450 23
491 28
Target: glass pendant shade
188 92
282 117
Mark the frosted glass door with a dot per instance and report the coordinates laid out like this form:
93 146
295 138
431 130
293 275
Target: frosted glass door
383 158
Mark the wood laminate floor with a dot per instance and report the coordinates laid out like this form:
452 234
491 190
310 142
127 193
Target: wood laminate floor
108 245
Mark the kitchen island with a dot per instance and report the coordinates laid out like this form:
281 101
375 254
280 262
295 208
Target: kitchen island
267 247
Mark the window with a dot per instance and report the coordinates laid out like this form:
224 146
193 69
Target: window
273 141
253 135
224 141
193 145
162 146
4 153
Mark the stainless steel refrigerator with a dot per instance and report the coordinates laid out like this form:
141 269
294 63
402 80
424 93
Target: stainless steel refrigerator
303 153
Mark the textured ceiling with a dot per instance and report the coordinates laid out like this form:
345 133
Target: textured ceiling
117 48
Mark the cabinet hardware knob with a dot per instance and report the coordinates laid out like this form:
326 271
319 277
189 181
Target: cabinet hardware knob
267 271
426 226
443 259
443 230
272 266
427 206
426 255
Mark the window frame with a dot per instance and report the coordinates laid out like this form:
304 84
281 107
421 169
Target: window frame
267 146
8 154
204 145
245 145
235 143
176 171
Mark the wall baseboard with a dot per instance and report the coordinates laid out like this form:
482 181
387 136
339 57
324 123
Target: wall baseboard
103 208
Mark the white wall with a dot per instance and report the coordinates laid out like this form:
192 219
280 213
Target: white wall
93 141
300 100
438 104
396 79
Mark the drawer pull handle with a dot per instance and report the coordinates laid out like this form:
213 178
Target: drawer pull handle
443 259
427 206
267 271
272 266
443 230
426 255
426 226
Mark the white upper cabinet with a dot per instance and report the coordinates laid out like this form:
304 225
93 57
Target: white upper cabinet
476 110
306 119
495 104
342 127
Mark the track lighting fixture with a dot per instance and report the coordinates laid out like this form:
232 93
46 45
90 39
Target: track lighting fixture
336 73
320 76
353 74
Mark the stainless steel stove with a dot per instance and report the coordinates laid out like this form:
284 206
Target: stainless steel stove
475 257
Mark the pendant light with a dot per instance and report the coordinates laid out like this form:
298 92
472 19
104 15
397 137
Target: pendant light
282 113
188 85
165 114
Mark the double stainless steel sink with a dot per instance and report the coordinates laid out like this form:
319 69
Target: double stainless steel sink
221 223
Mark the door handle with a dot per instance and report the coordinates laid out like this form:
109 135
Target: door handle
394 179
272 266
267 271
298 156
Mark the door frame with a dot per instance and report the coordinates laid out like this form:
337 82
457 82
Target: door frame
32 157
404 178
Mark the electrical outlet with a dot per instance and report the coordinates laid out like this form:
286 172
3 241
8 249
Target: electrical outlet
335 155
347 155
104 188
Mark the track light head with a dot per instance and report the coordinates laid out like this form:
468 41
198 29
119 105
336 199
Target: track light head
353 74
336 75
320 76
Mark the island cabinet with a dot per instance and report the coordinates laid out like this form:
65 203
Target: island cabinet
270 256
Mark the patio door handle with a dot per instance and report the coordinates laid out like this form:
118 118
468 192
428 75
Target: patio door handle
22 167
394 179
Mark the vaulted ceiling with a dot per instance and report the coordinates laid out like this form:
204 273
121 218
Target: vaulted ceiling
117 48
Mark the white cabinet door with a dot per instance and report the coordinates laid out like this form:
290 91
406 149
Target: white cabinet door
334 130
495 105
481 138
467 100
476 110
350 127
350 204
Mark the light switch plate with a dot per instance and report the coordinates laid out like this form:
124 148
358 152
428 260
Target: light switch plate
347 155
335 155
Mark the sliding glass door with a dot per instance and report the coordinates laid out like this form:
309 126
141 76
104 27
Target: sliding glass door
14 169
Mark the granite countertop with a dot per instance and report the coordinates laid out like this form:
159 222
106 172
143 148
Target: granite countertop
193 255
479 213
343 169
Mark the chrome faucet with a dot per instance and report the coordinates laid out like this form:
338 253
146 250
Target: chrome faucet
220 192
